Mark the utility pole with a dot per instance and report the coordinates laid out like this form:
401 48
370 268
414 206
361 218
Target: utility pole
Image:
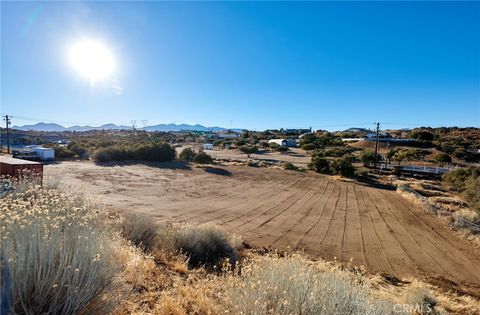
376 147
7 123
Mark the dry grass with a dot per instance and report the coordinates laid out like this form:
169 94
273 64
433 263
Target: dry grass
60 254
140 230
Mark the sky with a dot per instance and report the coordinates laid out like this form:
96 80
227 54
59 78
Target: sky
254 65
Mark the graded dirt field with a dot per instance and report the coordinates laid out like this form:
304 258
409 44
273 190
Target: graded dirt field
287 210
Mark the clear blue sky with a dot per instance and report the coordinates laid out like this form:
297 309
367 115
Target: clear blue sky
259 65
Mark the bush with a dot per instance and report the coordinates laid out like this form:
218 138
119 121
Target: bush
63 152
309 146
159 152
249 149
367 157
140 230
291 286
203 158
289 166
338 151
442 158
205 246
467 182
343 167
187 154
282 149
319 164
61 259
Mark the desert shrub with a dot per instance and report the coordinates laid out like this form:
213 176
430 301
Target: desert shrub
60 257
289 166
472 192
159 152
442 158
343 167
205 246
291 286
282 149
459 153
187 154
63 152
339 151
421 301
319 164
203 158
140 230
241 142
252 163
309 146
459 177
273 145
422 135
367 157
249 149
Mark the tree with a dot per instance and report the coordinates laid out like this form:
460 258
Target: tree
367 157
319 164
248 149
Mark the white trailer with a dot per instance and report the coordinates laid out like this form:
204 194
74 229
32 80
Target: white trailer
208 146
44 154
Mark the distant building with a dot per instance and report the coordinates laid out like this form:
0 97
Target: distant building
284 142
227 134
208 146
34 152
373 136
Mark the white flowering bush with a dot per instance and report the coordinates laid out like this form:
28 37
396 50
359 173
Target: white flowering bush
290 286
59 259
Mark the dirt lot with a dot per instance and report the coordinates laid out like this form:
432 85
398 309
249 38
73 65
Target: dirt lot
290 210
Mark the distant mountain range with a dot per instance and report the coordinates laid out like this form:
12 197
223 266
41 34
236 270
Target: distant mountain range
160 127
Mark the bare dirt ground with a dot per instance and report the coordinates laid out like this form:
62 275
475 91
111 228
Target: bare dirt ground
290 210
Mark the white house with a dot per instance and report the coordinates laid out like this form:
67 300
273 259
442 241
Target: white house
284 142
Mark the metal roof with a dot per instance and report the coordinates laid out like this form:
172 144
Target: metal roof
13 161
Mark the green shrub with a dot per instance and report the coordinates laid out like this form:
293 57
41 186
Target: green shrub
309 146
187 154
319 164
249 149
367 157
63 152
203 158
159 152
442 158
343 167
282 149
339 151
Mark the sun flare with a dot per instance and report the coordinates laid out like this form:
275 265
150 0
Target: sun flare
92 60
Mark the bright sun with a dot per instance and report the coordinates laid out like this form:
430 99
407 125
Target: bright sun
92 60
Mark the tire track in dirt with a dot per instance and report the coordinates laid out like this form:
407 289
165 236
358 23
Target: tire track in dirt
300 191
450 260
283 228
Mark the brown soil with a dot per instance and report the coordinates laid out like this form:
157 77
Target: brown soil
290 210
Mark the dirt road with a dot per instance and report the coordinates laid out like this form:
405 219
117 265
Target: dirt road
291 210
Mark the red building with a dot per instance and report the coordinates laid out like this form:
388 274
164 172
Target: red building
16 167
